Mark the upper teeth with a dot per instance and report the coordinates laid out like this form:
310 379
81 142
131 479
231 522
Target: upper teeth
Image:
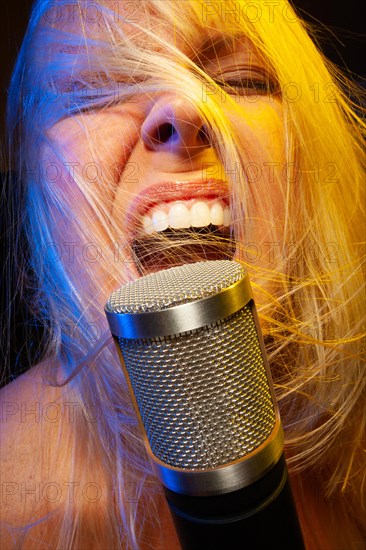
184 214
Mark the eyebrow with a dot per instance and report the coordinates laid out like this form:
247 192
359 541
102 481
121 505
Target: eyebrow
212 45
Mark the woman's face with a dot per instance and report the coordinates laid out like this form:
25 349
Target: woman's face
152 160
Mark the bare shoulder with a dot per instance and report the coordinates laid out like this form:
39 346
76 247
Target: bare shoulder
32 469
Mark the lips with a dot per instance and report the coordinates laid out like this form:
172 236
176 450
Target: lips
179 205
180 222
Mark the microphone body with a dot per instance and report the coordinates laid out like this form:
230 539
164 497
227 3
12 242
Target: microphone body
257 517
192 352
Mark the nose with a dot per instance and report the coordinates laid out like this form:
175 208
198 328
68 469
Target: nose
174 125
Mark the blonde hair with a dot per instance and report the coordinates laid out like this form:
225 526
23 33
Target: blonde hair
313 321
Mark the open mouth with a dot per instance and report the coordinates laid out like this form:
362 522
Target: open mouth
186 214
182 223
173 247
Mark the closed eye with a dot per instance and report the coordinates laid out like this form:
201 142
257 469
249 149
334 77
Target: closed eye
248 86
91 99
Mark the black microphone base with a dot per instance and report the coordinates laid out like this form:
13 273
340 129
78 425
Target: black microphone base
258 517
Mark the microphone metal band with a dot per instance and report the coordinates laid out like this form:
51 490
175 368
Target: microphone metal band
227 478
183 317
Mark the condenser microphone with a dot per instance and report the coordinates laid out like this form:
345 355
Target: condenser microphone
193 355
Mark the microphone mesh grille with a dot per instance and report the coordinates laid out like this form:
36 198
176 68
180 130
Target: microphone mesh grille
175 286
203 395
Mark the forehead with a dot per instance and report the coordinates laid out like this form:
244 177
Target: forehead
111 32
182 23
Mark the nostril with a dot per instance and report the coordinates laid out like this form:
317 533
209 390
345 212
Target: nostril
175 134
204 136
164 133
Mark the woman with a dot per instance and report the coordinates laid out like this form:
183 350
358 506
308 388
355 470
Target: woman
147 134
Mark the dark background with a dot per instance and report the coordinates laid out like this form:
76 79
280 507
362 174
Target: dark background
341 33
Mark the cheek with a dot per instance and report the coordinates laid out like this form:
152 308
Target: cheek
263 134
94 149
262 126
